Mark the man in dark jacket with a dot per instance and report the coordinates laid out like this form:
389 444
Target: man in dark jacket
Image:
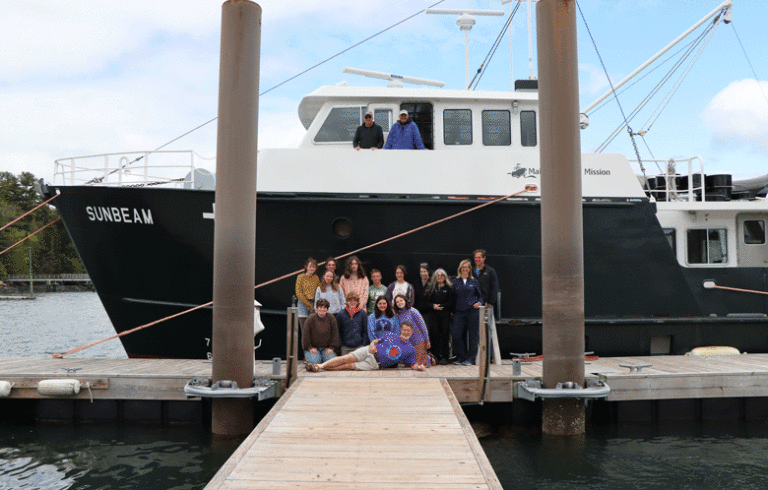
369 134
486 276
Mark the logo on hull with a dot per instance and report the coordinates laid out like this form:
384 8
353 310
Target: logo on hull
526 173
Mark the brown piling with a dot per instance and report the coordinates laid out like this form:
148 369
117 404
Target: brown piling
235 218
562 252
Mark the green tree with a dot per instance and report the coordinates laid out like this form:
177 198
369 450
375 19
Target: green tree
52 250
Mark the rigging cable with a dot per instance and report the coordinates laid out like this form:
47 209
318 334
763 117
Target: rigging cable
760 85
613 90
528 188
484 65
655 90
99 179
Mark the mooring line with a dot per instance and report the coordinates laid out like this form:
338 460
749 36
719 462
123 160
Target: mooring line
31 210
528 188
30 236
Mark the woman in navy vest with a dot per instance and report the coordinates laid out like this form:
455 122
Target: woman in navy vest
466 319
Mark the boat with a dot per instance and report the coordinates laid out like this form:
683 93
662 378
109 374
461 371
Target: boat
658 250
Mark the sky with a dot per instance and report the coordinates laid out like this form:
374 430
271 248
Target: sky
87 77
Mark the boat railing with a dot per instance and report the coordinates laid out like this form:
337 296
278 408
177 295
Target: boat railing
672 184
172 168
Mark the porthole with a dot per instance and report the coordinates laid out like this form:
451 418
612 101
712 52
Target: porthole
342 228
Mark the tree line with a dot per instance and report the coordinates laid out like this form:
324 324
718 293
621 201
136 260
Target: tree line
52 251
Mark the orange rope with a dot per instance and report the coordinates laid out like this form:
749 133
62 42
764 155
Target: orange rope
528 188
31 210
739 289
30 236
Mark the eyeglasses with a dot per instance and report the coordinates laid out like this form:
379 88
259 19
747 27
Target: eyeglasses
369 117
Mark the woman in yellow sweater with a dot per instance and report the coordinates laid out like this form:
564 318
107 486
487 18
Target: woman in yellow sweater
306 284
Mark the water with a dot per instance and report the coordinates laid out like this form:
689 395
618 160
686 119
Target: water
682 455
57 322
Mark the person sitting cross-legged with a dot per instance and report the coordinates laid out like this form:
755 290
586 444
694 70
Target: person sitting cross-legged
385 352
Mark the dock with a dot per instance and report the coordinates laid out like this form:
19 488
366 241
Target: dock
393 428
733 377
354 432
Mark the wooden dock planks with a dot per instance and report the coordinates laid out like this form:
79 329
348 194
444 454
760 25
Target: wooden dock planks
352 432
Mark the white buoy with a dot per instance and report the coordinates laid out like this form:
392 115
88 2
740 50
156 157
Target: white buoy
5 388
58 387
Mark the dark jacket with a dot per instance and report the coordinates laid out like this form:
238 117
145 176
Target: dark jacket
353 331
443 296
466 295
366 137
489 284
420 301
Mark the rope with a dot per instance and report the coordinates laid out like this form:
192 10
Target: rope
737 289
31 210
528 188
30 236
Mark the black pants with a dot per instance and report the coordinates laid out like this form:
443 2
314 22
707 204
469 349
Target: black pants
439 326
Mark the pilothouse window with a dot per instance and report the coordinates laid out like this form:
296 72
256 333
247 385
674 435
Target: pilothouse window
754 232
457 127
708 246
496 128
528 128
340 125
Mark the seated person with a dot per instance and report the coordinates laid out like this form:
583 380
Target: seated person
388 351
321 334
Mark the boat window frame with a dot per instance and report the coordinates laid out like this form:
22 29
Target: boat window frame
744 232
459 132
528 130
508 127
707 253
360 110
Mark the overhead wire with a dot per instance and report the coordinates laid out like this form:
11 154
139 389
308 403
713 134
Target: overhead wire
99 179
760 85
484 65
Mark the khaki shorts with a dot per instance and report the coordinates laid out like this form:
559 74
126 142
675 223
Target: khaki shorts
366 360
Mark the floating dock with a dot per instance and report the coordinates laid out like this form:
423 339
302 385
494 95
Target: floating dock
355 432
737 381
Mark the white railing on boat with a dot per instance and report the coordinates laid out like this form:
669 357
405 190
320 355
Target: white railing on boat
671 184
141 168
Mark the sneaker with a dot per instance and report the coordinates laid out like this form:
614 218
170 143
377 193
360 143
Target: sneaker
458 363
467 363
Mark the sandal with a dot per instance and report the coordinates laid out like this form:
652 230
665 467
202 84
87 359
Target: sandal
311 368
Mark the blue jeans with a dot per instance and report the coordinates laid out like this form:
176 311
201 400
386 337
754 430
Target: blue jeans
321 356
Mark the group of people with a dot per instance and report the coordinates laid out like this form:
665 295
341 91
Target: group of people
402 323
403 135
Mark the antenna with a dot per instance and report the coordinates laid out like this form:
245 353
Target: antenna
394 80
465 22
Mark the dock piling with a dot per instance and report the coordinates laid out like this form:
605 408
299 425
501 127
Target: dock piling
562 254
235 215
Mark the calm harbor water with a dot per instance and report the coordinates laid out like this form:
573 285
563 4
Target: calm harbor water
682 455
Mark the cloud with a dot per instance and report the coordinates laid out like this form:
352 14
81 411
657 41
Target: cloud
738 115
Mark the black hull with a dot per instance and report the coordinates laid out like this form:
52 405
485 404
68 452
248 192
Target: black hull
635 290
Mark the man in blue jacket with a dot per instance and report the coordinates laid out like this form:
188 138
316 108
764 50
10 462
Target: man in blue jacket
404 135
